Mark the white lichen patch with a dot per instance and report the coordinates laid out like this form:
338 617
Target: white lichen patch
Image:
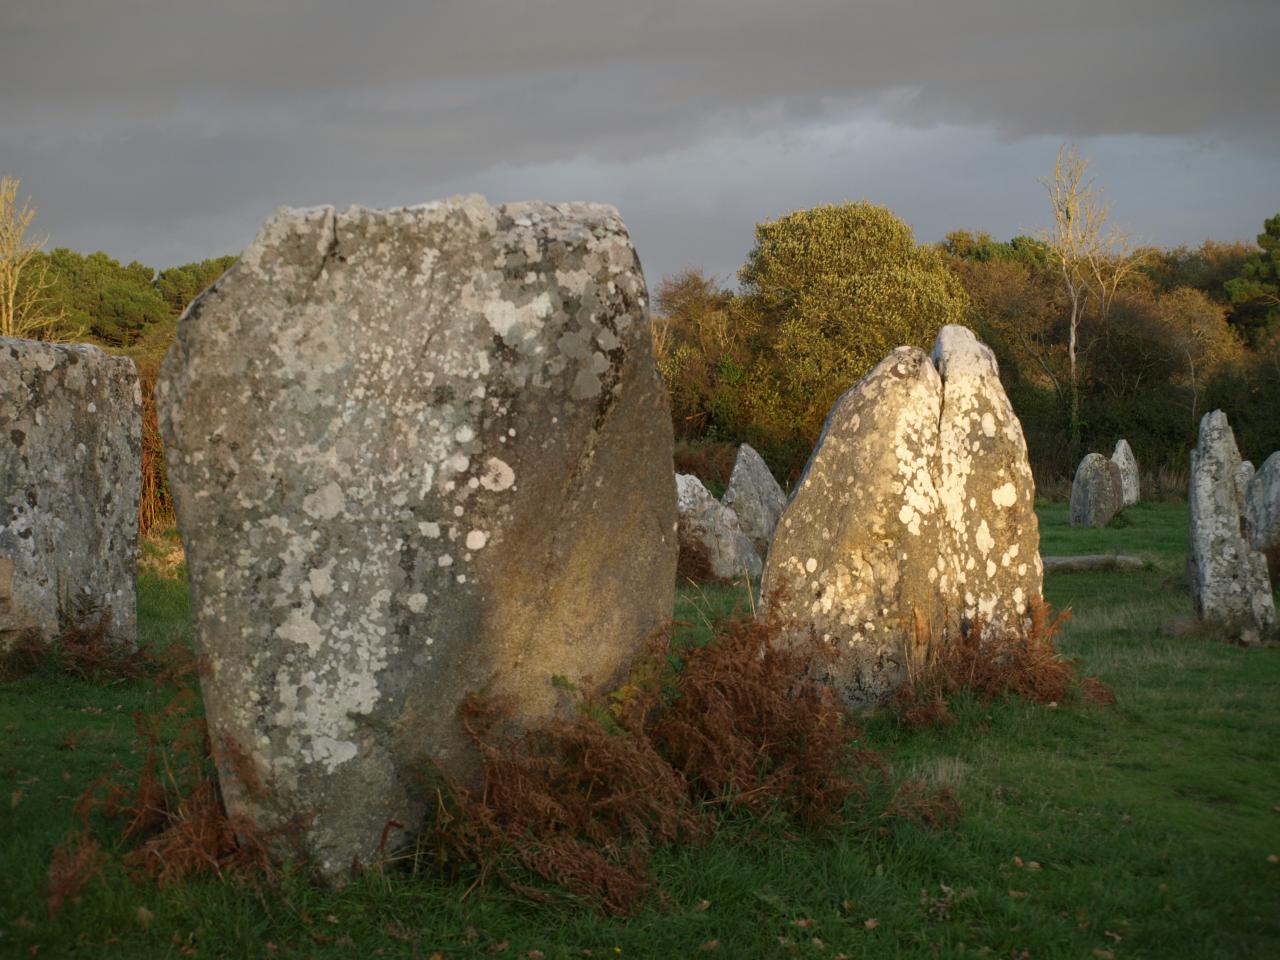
497 475
1005 495
326 503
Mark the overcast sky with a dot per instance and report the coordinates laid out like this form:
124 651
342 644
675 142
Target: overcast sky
166 130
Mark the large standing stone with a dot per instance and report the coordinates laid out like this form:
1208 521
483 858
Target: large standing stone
1262 506
70 479
1097 492
1229 582
711 538
754 495
1130 484
915 511
415 453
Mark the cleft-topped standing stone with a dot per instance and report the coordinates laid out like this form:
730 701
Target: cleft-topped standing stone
70 479
754 495
1127 464
1229 581
1097 492
415 453
914 515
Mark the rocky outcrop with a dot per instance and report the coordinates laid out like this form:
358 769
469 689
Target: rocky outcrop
70 479
1262 506
712 544
1097 492
913 518
1130 485
415 453
754 495
1229 582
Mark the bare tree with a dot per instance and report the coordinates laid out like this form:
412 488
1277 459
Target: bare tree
1094 261
27 306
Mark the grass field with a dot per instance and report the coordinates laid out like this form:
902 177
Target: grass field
1147 829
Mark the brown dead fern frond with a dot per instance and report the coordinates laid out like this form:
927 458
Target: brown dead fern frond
923 805
75 862
582 803
172 818
1027 666
752 727
575 803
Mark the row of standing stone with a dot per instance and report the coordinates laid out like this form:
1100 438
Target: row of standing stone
422 452
1234 523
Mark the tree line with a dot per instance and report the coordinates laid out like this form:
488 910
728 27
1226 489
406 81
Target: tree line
1096 338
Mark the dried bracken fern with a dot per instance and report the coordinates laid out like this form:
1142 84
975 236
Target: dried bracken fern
1027 666
582 803
28 652
173 818
572 802
920 804
693 562
75 861
752 728
83 649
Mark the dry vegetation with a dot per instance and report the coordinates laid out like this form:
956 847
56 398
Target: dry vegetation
1028 667
84 649
742 727
738 727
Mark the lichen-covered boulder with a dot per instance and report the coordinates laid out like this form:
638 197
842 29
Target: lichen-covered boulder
1262 506
1097 492
754 495
70 479
1127 463
416 453
1229 582
712 543
913 518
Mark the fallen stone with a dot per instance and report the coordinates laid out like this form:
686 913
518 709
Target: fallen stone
1229 582
1130 485
712 543
1097 492
416 454
754 495
914 517
70 479
1089 562
1262 506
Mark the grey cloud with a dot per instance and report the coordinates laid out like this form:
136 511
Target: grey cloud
166 129
1088 67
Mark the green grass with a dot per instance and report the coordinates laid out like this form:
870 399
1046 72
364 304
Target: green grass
1151 821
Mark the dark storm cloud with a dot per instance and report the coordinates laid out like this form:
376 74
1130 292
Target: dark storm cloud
165 127
1080 68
